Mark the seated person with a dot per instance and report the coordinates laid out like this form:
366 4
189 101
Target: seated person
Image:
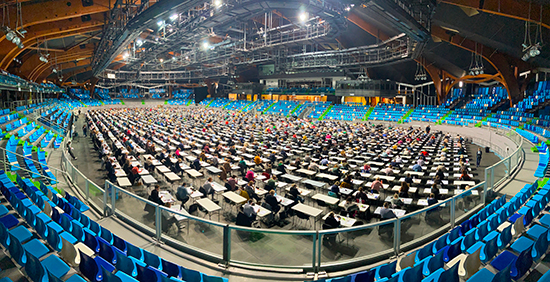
168 218
272 201
248 210
376 185
416 167
465 176
295 194
249 175
408 179
432 199
396 202
386 212
404 190
366 168
208 188
241 192
249 188
360 196
182 195
335 189
331 221
389 170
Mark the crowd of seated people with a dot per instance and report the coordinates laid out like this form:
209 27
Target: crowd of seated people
368 167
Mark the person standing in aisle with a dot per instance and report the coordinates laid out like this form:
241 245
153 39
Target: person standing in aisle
478 156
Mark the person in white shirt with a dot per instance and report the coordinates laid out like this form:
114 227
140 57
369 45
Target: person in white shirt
249 211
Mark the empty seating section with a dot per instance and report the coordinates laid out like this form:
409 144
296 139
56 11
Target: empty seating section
179 101
540 96
466 116
8 117
458 93
487 97
349 112
129 94
303 107
49 238
237 105
427 113
103 94
389 112
282 108
182 93
157 93
543 156
80 93
259 105
205 102
219 102
318 110
539 130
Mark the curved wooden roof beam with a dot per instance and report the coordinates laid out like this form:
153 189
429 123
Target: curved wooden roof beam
515 9
48 31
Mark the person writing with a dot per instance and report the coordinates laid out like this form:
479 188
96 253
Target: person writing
331 221
295 193
376 185
386 212
249 211
272 201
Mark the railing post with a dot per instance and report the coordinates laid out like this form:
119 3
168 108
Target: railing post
226 245
314 255
397 236
158 223
105 193
114 193
453 209
87 190
4 160
484 195
509 166
492 179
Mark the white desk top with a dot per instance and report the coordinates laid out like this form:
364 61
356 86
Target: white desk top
308 210
233 197
209 205
325 198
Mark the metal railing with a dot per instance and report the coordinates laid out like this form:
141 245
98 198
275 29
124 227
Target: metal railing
307 250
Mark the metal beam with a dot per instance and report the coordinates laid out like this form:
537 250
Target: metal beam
47 31
508 8
502 63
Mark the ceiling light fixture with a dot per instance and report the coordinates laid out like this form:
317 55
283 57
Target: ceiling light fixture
303 17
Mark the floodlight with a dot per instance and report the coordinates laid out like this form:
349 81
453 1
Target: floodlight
303 17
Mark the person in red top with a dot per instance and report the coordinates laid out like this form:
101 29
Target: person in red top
424 153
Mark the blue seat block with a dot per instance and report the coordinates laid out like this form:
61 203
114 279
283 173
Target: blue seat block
36 248
503 260
9 221
521 244
21 233
70 238
514 217
55 226
44 217
545 220
535 231
55 266
3 210
34 209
